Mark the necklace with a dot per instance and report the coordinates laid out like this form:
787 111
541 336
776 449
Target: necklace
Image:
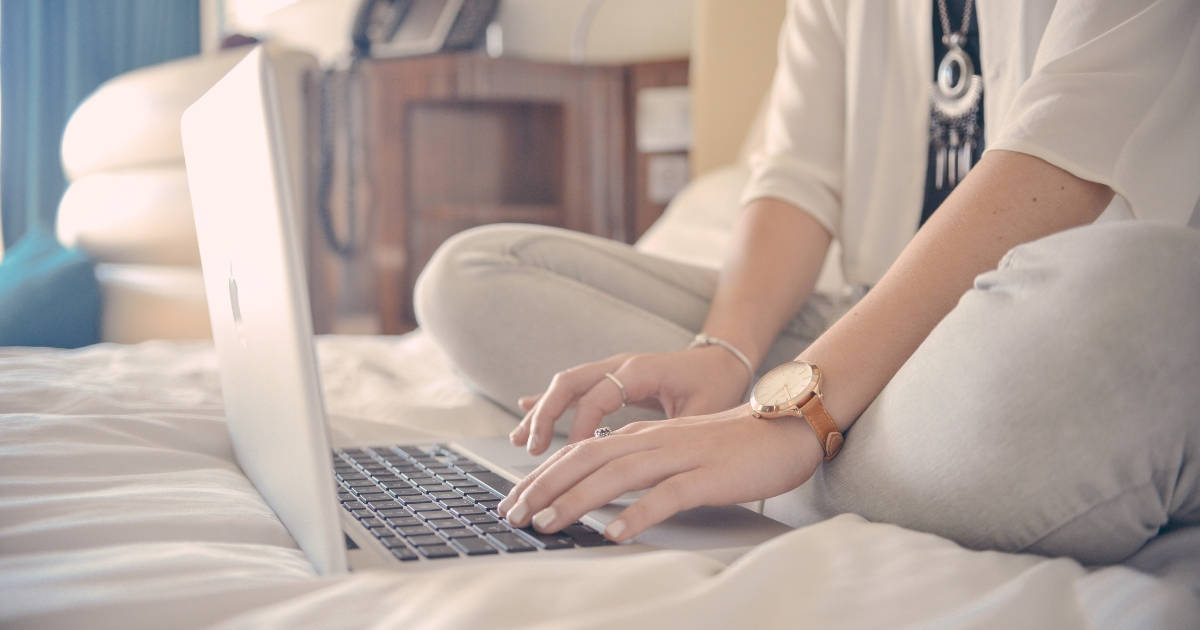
956 95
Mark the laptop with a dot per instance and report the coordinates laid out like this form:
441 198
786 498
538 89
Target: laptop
353 506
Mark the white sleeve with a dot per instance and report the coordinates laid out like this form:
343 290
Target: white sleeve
801 158
1114 98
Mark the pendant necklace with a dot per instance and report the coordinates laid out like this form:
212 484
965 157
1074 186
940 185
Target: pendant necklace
955 103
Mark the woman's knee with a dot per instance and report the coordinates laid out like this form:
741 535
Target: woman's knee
1053 410
450 281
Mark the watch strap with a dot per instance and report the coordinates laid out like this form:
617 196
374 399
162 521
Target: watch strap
826 429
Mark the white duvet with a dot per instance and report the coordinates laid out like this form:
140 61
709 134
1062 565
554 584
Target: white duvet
121 507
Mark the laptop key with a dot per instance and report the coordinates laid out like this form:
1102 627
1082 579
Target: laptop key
584 536
437 551
403 521
404 553
395 512
461 532
445 494
489 505
391 541
374 496
445 523
426 540
361 513
414 530
494 528
424 507
463 511
453 503
548 541
493 481
474 546
371 522
478 519
511 543
380 531
353 504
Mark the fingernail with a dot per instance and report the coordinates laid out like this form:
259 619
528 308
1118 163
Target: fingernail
531 444
502 507
518 513
542 519
615 529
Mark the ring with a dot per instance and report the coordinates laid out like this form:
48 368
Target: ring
602 432
620 386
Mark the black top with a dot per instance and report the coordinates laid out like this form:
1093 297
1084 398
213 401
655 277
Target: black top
954 9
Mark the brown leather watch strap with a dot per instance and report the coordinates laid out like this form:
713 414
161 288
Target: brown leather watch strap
827 431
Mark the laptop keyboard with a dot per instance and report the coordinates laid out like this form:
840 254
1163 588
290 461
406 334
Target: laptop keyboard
435 503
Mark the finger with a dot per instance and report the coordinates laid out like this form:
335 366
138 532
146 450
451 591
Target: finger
599 401
563 470
519 435
640 379
565 388
515 493
527 402
675 494
636 471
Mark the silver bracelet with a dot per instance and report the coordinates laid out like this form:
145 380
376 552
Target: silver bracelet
708 340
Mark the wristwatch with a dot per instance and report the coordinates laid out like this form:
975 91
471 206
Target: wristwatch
794 389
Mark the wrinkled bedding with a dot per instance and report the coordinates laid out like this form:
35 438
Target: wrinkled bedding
121 506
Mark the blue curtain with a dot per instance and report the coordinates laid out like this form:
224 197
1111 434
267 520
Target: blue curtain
53 53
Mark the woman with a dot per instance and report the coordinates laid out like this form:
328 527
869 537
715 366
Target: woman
1018 376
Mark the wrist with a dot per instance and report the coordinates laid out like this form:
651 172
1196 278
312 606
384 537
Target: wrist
725 362
705 340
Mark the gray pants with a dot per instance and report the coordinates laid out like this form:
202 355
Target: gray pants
1055 410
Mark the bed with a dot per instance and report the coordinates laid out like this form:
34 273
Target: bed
121 506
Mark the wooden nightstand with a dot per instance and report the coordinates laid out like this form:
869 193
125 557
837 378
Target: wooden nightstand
449 142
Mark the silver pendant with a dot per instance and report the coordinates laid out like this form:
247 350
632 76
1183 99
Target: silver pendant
955 99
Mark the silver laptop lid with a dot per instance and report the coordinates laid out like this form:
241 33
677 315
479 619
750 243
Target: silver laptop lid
246 225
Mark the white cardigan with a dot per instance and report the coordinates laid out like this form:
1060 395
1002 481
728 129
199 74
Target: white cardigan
1108 90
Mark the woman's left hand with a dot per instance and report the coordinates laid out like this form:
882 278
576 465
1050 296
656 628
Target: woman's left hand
718 459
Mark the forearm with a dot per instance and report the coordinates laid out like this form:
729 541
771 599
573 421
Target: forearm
1008 199
771 270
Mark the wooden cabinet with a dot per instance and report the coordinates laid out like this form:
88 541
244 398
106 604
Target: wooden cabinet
448 142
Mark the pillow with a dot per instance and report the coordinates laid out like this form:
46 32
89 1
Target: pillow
48 295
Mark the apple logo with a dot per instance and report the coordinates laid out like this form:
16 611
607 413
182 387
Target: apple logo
234 303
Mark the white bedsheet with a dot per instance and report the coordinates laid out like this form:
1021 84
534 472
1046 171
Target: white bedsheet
120 506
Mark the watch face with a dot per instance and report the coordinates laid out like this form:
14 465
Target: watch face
788 383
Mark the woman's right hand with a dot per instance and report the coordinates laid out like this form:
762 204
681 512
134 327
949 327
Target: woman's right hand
688 382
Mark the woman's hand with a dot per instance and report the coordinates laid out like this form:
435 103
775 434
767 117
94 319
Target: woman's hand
683 383
719 459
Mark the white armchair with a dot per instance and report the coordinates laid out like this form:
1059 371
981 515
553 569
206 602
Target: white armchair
128 206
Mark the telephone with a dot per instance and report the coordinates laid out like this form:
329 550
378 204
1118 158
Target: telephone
383 29
399 28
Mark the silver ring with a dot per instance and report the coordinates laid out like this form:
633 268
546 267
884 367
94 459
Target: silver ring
620 386
602 432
